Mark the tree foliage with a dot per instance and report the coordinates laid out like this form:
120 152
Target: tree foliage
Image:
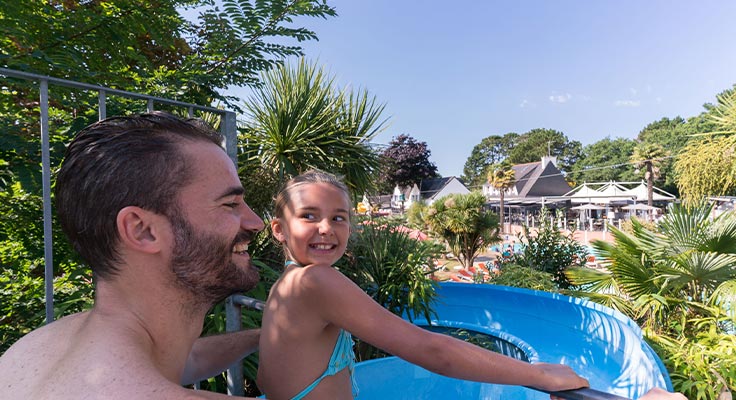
464 224
491 150
533 145
605 160
707 165
405 162
148 47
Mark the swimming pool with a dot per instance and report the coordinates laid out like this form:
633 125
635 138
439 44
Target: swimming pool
599 343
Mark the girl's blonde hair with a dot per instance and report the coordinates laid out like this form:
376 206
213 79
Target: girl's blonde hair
312 176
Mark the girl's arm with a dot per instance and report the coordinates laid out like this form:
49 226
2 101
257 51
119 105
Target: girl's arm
340 302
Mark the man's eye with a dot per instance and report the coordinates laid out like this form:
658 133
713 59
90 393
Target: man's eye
231 205
340 218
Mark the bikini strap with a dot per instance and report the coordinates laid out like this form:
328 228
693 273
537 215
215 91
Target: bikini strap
292 262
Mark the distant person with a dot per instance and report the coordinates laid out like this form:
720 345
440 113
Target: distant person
155 207
306 344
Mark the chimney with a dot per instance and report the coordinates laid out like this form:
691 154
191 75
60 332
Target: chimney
549 159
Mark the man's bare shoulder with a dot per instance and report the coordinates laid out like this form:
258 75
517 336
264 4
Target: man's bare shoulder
38 340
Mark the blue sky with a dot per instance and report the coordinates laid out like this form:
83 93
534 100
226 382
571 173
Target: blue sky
454 72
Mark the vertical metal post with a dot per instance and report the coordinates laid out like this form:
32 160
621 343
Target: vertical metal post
150 105
46 185
235 382
190 112
229 128
102 105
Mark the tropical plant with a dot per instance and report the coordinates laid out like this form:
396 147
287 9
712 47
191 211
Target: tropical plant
708 166
502 178
299 120
524 277
393 269
649 156
549 250
464 223
678 281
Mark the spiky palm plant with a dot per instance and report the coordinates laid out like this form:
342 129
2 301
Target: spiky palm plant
678 281
686 268
502 177
298 120
649 156
464 224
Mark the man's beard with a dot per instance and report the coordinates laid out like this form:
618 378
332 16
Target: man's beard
203 264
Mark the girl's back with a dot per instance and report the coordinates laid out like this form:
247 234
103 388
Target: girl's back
296 343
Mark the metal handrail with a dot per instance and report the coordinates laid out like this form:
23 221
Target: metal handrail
228 127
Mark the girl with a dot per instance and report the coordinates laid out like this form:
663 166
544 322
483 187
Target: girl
305 348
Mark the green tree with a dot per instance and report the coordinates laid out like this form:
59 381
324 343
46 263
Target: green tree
707 165
678 281
605 160
299 119
671 135
491 150
502 178
155 50
650 157
532 145
464 224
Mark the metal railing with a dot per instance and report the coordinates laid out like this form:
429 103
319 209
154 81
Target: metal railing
228 127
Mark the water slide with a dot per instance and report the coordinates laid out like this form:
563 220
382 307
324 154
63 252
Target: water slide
599 343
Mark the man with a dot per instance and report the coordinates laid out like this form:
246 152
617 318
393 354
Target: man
155 207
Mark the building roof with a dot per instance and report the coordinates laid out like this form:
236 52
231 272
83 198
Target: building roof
541 178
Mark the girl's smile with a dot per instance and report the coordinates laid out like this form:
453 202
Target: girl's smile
316 225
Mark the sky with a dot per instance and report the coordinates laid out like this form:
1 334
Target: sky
451 73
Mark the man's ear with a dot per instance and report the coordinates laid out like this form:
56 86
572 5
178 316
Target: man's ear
277 230
139 229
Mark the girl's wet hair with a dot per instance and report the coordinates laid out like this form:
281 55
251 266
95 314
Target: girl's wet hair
283 198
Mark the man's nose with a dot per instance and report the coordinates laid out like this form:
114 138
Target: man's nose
251 221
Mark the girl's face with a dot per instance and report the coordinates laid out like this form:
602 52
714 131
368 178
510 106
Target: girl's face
316 225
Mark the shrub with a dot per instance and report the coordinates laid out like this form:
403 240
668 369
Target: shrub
549 250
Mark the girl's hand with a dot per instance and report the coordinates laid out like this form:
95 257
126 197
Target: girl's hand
560 377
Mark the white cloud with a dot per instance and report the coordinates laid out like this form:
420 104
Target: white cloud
526 104
633 92
562 98
627 103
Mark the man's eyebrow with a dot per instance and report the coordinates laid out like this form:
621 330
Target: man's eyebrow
233 191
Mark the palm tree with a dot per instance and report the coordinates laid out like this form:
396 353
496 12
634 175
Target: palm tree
685 267
678 281
298 120
464 224
649 156
501 177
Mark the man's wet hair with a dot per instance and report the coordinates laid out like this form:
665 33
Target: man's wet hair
134 160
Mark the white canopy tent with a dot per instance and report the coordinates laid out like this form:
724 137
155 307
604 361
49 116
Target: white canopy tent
640 193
